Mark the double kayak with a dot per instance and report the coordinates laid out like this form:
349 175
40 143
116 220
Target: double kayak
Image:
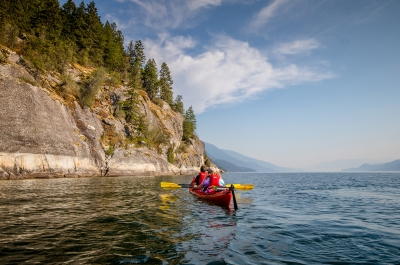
222 196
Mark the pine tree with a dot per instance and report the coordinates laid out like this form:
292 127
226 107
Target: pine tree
20 13
130 51
150 79
114 53
46 20
165 84
80 26
189 124
68 12
4 11
130 106
139 53
136 58
178 105
95 36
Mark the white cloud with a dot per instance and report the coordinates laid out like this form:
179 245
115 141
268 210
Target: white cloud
172 14
266 14
297 47
227 72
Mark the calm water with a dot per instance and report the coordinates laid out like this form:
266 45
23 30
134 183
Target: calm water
307 218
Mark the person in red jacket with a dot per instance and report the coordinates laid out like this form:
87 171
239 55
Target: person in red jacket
200 177
212 179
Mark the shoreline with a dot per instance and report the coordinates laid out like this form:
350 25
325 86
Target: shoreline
49 175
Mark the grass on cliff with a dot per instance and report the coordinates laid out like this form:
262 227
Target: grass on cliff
91 86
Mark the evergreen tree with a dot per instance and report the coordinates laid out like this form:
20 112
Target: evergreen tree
68 12
189 124
20 13
178 105
114 53
130 106
150 79
130 51
165 84
136 58
139 53
141 126
79 26
94 36
46 20
4 10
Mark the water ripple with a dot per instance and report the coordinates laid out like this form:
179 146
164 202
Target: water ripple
318 218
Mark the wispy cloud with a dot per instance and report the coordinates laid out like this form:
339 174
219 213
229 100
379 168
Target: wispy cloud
171 14
297 47
268 12
227 72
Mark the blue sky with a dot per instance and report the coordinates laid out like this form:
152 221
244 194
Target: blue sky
291 82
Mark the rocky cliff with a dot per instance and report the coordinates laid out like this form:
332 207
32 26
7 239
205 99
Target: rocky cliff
43 135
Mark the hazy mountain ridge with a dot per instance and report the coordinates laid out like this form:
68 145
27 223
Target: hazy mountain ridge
389 166
340 164
226 158
225 165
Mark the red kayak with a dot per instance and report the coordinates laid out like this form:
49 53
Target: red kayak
221 196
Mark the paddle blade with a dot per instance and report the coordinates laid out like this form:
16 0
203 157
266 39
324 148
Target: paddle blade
170 185
173 186
242 186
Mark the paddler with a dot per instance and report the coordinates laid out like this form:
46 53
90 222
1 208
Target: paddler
212 179
200 177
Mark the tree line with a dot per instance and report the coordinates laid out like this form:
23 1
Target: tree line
51 36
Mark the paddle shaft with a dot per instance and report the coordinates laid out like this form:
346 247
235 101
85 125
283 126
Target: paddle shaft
189 186
232 188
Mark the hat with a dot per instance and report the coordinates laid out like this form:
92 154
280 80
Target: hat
210 170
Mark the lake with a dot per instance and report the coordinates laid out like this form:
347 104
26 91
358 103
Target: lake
288 218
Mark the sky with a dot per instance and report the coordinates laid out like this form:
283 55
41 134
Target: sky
291 82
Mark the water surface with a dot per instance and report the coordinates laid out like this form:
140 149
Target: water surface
304 218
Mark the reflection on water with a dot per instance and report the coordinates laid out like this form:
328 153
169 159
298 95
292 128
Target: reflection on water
287 219
102 221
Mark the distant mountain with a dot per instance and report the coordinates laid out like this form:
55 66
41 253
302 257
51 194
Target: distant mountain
225 165
390 166
338 165
256 163
235 162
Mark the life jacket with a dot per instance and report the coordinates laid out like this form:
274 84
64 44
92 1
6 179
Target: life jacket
215 180
199 178
202 175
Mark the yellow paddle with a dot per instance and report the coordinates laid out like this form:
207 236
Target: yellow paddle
172 186
241 186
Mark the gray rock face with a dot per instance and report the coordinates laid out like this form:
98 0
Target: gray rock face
39 134
140 161
42 137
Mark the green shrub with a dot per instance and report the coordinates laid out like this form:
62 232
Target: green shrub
170 155
114 79
91 87
119 113
156 137
8 35
158 101
182 148
68 87
110 150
